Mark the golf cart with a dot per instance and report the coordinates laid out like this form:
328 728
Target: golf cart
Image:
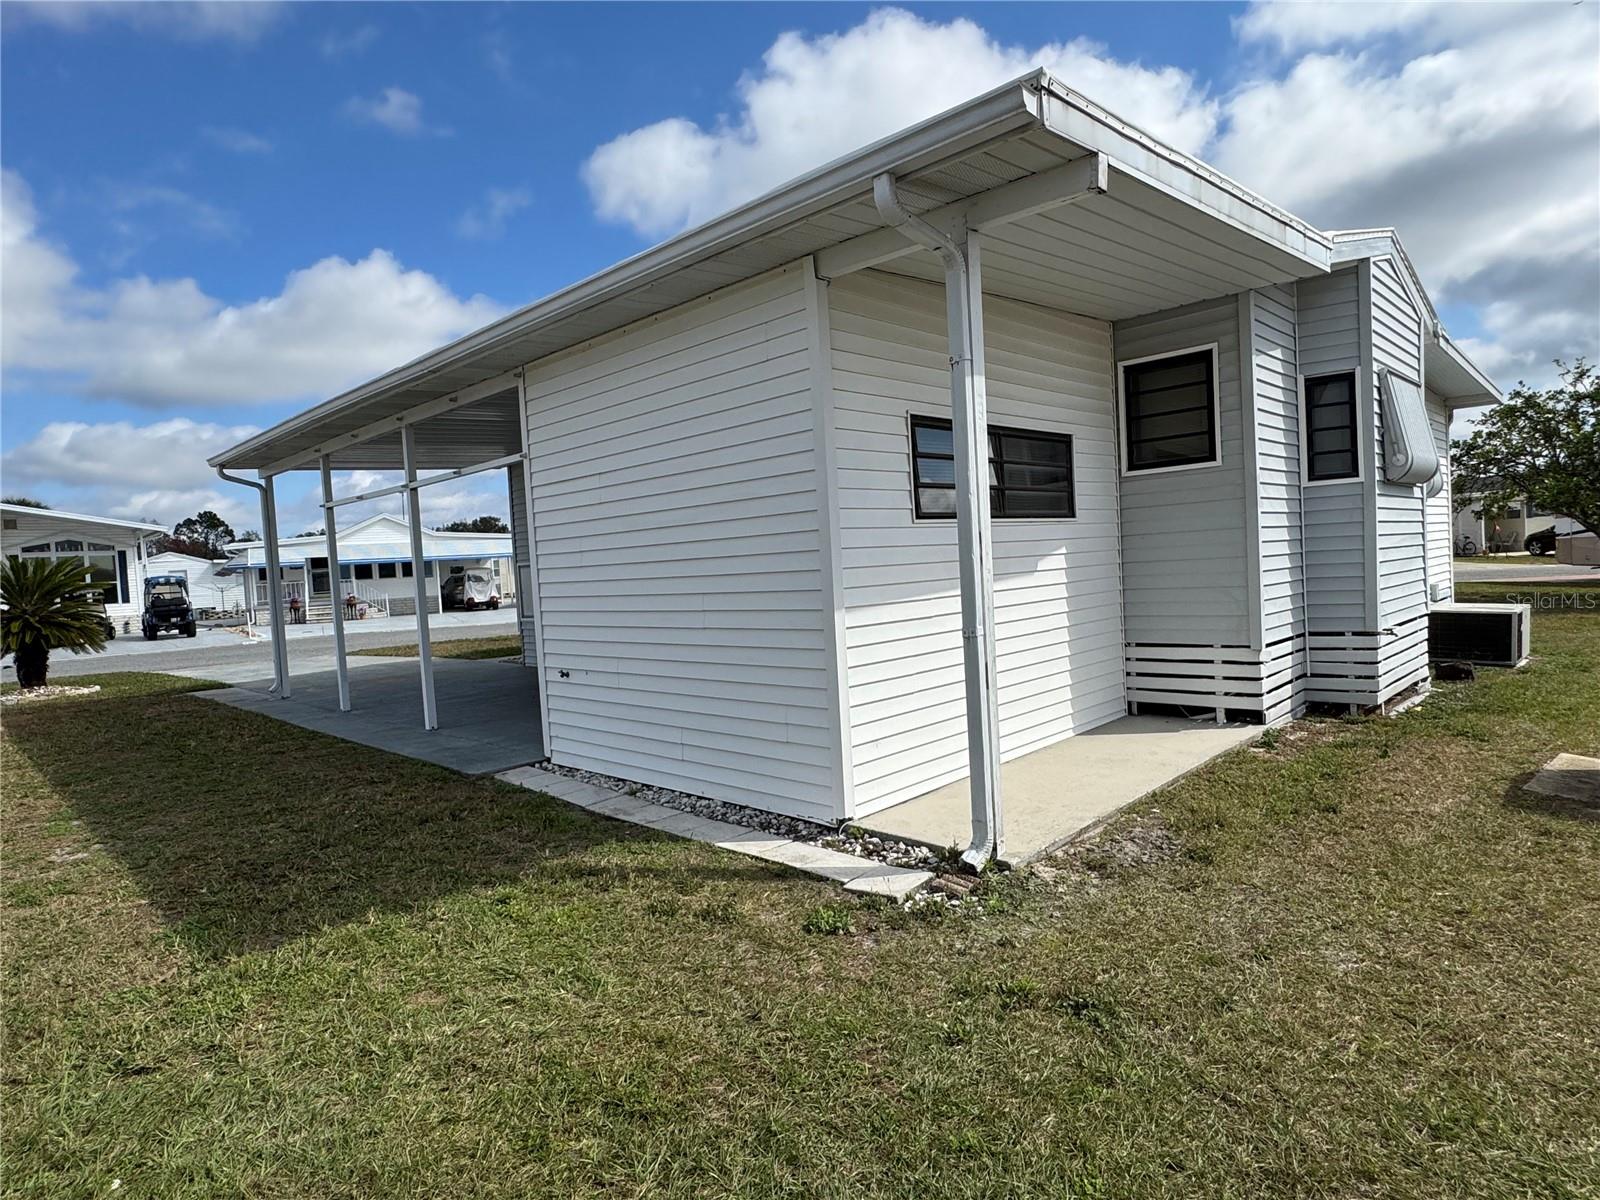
95 599
166 607
470 589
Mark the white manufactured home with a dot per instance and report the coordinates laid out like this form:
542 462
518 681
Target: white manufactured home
113 551
374 567
968 443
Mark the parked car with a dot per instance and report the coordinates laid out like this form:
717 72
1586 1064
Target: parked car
1542 542
470 590
166 607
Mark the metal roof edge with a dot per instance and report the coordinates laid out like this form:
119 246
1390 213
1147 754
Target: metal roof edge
92 520
1188 162
1010 106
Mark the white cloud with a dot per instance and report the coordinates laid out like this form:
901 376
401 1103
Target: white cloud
240 141
165 342
197 20
816 98
122 469
1473 129
487 220
342 42
189 212
394 109
169 453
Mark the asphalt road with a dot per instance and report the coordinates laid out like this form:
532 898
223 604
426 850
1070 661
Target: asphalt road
226 651
1490 571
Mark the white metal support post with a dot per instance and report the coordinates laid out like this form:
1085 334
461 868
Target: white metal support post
958 248
419 579
335 589
269 536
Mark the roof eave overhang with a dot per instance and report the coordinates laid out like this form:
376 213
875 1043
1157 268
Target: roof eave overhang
1003 110
1455 377
1037 100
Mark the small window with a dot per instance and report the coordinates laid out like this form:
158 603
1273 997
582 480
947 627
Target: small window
1030 473
69 546
405 570
37 548
386 570
103 546
364 571
1331 428
10 522
1169 411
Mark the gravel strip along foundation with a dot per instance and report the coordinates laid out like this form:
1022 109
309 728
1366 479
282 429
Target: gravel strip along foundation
860 844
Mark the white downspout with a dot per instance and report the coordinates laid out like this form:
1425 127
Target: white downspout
974 557
269 535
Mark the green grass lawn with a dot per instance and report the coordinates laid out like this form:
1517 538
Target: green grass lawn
483 647
244 959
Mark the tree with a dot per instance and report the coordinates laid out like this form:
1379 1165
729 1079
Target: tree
204 535
23 501
476 525
46 609
249 535
1542 445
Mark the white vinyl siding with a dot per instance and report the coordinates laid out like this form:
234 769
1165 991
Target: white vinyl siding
1328 322
1057 620
1278 432
1441 513
1189 524
680 575
1397 345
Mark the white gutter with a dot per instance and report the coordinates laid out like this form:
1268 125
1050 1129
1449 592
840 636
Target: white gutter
963 290
949 135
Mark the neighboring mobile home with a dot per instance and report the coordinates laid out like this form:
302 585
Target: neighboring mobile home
374 566
112 550
964 444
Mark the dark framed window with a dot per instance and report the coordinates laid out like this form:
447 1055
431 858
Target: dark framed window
1169 411
1030 472
1331 428
386 570
364 571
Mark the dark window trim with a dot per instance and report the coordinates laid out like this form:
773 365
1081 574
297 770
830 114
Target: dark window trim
1311 473
1207 355
998 489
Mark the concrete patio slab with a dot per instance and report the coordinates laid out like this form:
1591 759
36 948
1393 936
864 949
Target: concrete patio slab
861 875
1053 795
1569 777
488 710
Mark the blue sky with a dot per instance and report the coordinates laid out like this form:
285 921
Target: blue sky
217 215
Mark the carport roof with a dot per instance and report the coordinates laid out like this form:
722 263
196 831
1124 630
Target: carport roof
1224 237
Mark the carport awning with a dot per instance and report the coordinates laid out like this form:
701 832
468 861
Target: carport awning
1168 231
439 549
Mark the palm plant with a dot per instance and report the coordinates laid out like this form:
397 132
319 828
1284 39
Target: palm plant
44 610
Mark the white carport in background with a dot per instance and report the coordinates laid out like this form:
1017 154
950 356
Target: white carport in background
477 429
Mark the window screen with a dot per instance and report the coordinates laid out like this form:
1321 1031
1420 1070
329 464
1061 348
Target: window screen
1030 473
1169 411
1331 427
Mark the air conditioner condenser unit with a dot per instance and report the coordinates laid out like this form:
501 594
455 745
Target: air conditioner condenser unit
1493 635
